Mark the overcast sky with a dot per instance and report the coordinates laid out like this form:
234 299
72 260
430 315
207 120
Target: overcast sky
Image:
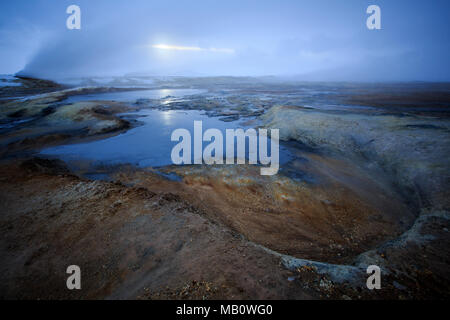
313 40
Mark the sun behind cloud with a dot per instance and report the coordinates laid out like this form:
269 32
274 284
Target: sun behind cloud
185 48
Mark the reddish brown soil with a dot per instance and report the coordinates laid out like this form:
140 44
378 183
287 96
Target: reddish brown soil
158 239
130 242
332 220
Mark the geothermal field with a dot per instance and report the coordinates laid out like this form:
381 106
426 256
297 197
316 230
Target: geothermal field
86 178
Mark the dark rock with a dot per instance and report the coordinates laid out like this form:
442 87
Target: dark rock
48 166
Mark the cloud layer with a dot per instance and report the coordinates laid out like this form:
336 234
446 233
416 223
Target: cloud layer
312 40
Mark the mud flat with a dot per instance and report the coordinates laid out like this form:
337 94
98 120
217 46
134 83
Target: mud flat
363 186
130 242
412 150
147 239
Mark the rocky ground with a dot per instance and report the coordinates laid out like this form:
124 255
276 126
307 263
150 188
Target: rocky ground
367 186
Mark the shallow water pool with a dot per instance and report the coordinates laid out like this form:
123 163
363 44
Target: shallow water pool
148 144
132 96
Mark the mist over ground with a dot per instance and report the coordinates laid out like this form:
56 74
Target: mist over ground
307 40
